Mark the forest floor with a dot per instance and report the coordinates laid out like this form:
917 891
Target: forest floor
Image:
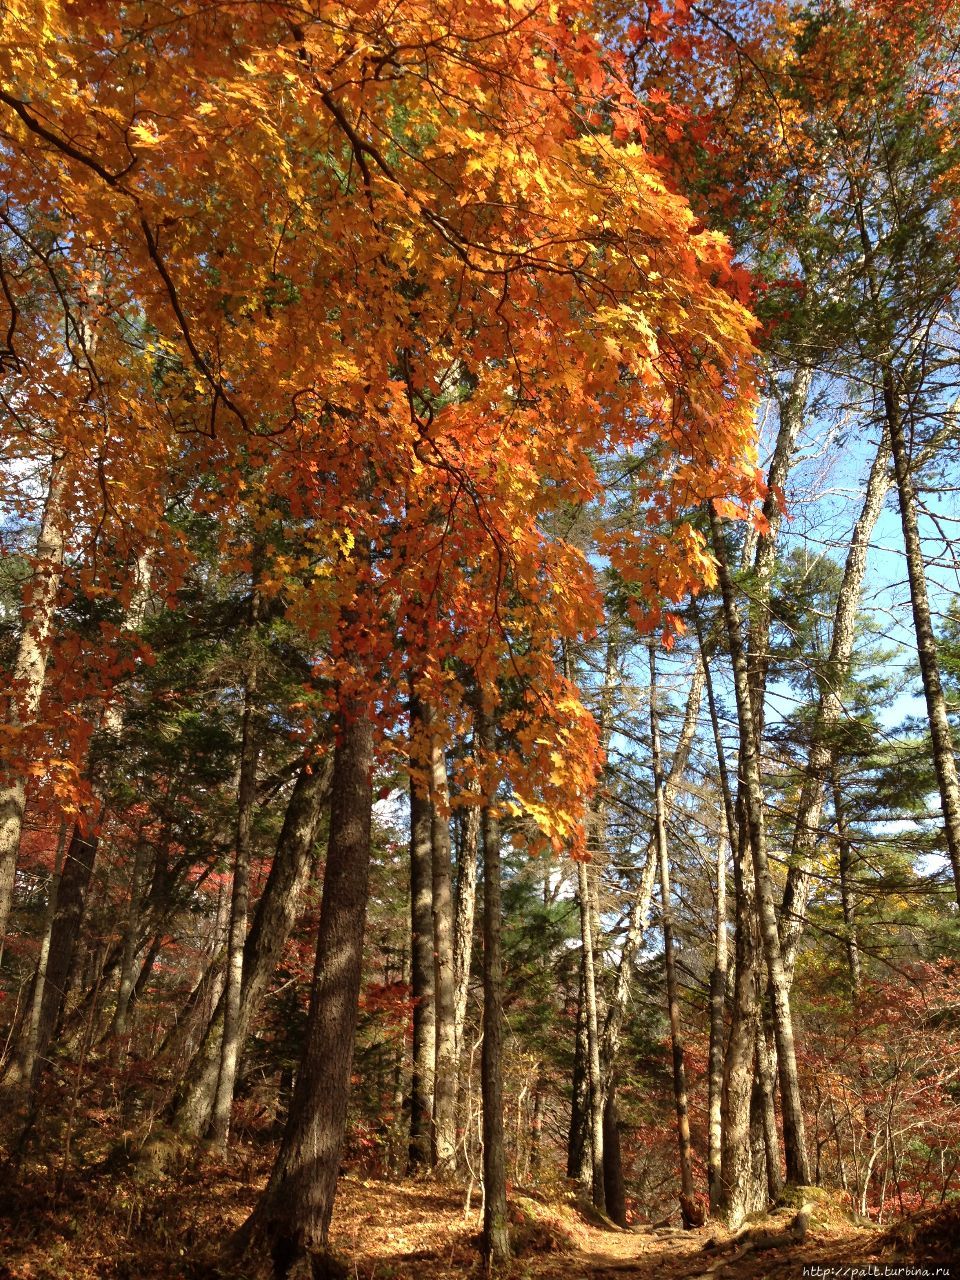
102 1227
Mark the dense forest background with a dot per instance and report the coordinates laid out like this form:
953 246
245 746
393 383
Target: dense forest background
479 610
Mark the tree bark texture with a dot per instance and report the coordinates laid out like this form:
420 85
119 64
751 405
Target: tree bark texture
421 964
794 1135
65 930
496 1233
139 874
464 922
718 993
666 915
578 1137
640 904
792 409
22 1064
830 710
445 1062
593 1037
765 1076
614 1188
29 673
944 759
273 921
732 1199
240 896
296 1207
848 901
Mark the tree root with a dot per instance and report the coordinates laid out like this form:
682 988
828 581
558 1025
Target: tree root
753 1237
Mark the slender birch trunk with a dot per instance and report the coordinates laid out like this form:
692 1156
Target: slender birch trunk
666 912
733 1198
78 865
240 896
579 1149
593 1037
464 921
944 759
792 410
536 1121
68 911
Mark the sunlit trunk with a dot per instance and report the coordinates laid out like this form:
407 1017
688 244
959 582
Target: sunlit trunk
593 1036
240 895
445 1062
666 915
28 674
830 710
794 1136
944 759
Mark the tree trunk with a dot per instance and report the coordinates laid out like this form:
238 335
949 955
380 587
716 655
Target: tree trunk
847 899
766 1077
273 920
22 1065
614 1189
733 1198
295 1209
240 897
794 1136
593 1038
944 760
463 925
496 1232
640 904
578 1137
536 1122
65 929
421 963
792 407
759 1195
673 1002
28 675
77 870
830 710
139 874
445 1061
718 992
730 1193
185 1034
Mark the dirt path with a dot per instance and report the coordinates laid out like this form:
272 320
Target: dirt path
409 1232
177 1228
